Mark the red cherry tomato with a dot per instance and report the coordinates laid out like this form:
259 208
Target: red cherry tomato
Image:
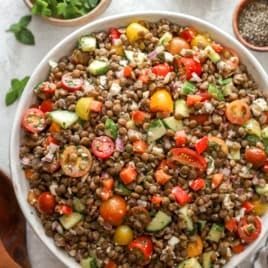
63 209
114 33
33 120
113 210
102 147
198 184
70 83
128 174
139 117
231 225
161 69
201 145
255 156
248 206
188 157
193 99
143 246
46 106
46 203
188 34
188 66
199 118
45 87
249 228
181 196
180 138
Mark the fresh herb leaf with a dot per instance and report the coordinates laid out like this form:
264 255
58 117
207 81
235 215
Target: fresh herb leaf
41 7
224 82
93 3
22 34
17 87
252 139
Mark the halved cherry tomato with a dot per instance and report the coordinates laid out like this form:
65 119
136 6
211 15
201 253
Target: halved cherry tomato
255 156
123 235
46 106
199 118
102 147
201 145
204 94
231 225
180 138
76 161
46 203
70 83
139 146
128 174
113 210
198 184
63 209
238 248
50 139
95 106
188 66
127 71
33 120
220 142
217 47
193 99
248 206
110 264
161 101
216 180
114 33
161 176
161 69
143 246
46 87
177 44
238 112
157 199
249 228
185 156
188 34
139 117
195 247
181 196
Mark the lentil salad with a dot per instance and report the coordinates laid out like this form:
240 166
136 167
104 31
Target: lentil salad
155 140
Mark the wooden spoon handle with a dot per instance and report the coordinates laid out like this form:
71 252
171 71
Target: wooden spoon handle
5 260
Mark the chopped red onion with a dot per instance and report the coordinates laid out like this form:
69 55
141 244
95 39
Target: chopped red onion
226 172
239 191
25 161
119 74
104 175
107 226
155 52
119 145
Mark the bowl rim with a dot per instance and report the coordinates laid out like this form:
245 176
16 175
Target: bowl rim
104 23
103 4
238 9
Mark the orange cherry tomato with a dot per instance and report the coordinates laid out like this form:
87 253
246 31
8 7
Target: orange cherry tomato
177 44
238 112
113 210
161 176
46 203
255 156
217 180
128 174
161 101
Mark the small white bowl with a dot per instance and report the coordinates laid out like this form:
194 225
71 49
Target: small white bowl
64 48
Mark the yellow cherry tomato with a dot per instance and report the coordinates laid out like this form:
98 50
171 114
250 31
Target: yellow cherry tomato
220 142
123 235
82 107
200 40
195 248
135 31
259 208
161 101
119 50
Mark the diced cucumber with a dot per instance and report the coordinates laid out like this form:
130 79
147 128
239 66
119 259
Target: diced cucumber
172 123
64 118
264 133
224 82
206 259
121 189
212 54
89 262
78 205
165 39
111 128
215 92
253 127
87 43
211 165
135 57
216 232
156 130
159 222
69 221
190 263
188 88
235 154
181 109
98 67
189 222
227 90
262 190
201 225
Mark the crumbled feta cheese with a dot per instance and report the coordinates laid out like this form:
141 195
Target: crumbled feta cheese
115 89
103 80
173 241
146 94
168 57
208 107
241 214
53 64
227 202
123 62
261 103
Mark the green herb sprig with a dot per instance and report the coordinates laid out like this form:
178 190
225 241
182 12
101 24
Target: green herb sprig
66 9
21 32
16 89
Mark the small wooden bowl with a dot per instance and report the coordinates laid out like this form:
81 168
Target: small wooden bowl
241 5
100 8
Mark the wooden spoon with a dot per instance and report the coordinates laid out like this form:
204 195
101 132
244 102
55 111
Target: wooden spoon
13 248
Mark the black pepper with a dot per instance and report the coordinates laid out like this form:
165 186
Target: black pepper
253 23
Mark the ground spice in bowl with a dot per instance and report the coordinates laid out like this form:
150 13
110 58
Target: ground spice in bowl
253 23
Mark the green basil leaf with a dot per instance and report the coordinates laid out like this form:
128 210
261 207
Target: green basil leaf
41 7
25 20
25 36
11 97
93 3
14 28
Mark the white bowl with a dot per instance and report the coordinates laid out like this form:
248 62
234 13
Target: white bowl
64 48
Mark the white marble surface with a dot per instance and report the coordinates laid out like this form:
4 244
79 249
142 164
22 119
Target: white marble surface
18 60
